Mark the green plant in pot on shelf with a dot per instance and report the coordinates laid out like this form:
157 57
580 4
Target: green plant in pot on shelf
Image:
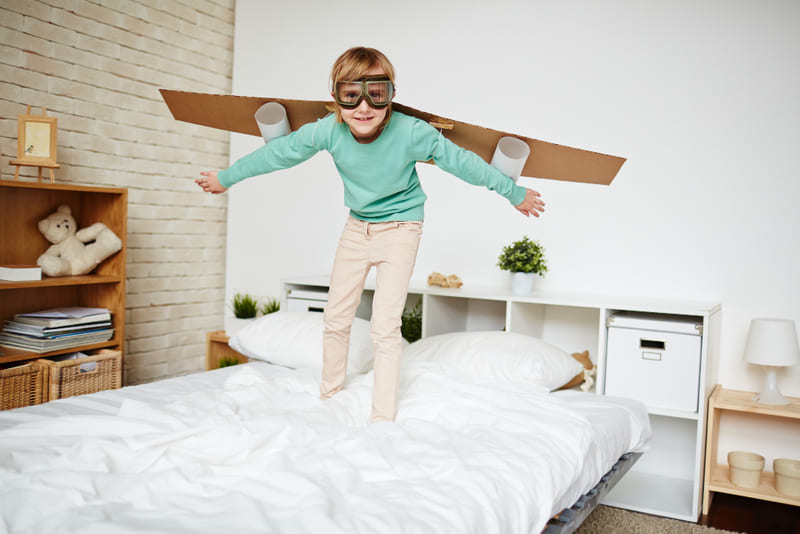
411 325
271 305
245 310
524 259
245 306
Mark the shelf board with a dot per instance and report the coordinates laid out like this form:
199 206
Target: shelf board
567 299
63 187
654 494
744 401
56 281
10 354
677 414
721 483
218 336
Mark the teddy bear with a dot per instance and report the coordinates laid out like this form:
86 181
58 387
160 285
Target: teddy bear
584 379
438 279
74 251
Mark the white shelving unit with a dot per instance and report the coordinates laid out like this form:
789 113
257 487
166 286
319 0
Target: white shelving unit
667 479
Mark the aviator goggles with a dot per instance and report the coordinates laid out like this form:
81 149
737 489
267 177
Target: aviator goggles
377 90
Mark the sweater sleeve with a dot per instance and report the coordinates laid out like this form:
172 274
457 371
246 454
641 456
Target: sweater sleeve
280 153
467 165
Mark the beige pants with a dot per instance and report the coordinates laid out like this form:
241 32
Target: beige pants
391 247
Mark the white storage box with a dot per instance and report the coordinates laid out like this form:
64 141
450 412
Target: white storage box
307 300
655 359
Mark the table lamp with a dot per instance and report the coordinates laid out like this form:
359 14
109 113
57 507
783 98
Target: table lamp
772 343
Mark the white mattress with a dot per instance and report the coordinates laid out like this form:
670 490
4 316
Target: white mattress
252 448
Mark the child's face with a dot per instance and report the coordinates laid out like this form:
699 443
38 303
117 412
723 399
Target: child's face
365 121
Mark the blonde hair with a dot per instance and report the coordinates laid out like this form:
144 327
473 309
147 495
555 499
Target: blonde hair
354 64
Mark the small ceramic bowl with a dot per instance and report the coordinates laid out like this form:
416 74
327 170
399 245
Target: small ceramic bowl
787 476
746 468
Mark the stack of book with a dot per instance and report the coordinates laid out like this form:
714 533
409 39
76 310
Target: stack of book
57 329
20 273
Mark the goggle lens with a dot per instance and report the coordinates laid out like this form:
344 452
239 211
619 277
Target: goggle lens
377 91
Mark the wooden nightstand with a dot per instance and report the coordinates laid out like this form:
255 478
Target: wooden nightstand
217 348
717 477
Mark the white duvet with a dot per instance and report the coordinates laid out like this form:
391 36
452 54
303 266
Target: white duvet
253 449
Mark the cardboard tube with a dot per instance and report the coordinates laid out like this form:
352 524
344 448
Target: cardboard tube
510 156
272 121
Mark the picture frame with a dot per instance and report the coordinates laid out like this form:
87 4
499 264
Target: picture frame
36 139
36 143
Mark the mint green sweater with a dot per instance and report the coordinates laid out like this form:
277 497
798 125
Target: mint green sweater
380 178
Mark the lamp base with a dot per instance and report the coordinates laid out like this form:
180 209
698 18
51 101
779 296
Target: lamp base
771 394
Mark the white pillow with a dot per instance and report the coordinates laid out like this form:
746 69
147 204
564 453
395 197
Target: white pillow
294 339
496 355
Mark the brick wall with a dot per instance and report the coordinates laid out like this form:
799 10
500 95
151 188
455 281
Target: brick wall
97 66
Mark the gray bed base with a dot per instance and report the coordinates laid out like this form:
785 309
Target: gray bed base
569 519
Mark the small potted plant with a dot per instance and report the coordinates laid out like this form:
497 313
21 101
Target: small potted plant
271 305
245 306
245 309
411 323
524 259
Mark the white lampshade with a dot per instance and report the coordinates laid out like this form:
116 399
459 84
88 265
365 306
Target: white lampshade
772 342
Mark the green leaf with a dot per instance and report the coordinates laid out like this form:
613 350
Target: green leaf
523 256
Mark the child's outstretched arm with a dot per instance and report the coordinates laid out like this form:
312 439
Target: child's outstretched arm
471 168
210 183
532 205
280 153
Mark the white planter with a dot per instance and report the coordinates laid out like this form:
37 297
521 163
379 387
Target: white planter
234 324
522 283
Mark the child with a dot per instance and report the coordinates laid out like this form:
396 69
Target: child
375 152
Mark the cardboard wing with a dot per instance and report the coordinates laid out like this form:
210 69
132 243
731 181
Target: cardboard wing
546 160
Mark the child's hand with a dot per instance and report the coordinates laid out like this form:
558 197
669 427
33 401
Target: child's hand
210 183
532 205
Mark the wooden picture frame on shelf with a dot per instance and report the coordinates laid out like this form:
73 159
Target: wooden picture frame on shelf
36 143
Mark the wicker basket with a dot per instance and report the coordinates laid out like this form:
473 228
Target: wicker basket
85 375
25 385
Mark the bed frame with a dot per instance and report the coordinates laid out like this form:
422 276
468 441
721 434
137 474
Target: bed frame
568 520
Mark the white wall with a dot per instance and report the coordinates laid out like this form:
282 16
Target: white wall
701 97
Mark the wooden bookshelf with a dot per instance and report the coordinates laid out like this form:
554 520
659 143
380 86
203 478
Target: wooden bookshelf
23 205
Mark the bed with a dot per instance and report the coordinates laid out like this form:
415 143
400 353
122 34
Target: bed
480 445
